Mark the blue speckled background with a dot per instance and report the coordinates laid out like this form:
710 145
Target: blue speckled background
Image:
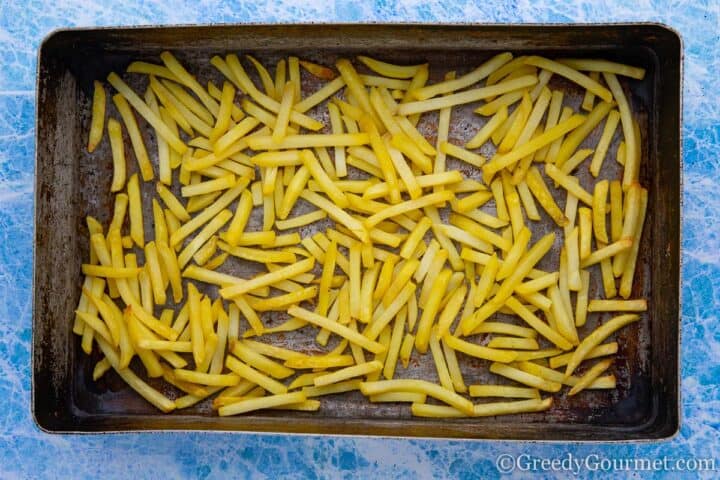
26 452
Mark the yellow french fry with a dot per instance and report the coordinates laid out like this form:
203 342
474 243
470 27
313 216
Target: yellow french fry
596 337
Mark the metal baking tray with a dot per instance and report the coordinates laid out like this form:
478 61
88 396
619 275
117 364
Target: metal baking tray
71 184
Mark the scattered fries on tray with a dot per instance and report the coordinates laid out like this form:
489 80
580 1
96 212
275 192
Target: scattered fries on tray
414 258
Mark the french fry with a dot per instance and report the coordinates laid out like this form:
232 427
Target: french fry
210 186
639 305
581 306
146 391
417 386
631 212
151 69
97 120
479 351
203 236
409 129
467 96
272 401
336 328
503 391
450 311
483 135
596 337
546 138
592 374
245 371
410 397
504 100
513 255
540 283
137 231
473 201
209 213
152 260
259 361
338 214
141 107
572 75
135 138
178 110
506 329
341 387
598 65
439 360
118 153
517 125
542 194
109 272
571 207
525 378
443 129
576 159
589 99
606 252
541 327
573 259
626 282
604 142
513 343
599 351
471 78
356 86
568 184
380 321
631 159
189 81
563 317
347 373
395 344
558 377
430 310
390 70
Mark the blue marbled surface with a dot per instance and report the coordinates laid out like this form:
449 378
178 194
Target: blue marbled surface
26 452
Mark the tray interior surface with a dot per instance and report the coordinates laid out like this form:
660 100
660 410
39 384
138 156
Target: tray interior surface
72 184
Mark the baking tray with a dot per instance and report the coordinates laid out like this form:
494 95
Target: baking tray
71 184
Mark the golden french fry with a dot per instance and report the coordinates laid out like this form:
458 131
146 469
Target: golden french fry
639 305
483 135
142 108
571 74
499 162
582 299
252 404
631 213
97 121
390 70
418 386
503 391
596 337
525 378
599 351
471 78
626 119
626 282
606 252
598 65
542 194
592 374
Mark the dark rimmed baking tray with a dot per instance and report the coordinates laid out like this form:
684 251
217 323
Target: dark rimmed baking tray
70 184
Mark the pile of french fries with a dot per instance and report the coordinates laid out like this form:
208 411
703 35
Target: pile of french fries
389 276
